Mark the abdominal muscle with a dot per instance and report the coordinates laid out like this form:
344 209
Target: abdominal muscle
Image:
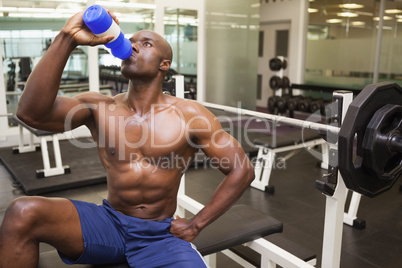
148 193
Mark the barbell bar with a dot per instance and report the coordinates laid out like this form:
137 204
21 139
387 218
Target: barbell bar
275 118
368 122
394 143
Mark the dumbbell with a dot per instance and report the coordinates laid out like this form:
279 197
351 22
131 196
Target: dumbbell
285 82
273 104
168 87
276 82
293 102
315 105
275 64
325 108
282 103
303 104
192 94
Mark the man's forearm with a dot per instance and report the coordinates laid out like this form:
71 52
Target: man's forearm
228 192
43 83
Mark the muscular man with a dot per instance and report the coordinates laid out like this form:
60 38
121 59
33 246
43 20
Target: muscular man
145 141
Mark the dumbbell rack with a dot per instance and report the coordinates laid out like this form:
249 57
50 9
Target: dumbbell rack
279 82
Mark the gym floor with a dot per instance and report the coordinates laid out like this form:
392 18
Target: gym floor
295 202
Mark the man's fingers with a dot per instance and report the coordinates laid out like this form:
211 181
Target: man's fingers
113 16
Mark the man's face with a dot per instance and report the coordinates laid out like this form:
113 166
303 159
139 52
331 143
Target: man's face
149 51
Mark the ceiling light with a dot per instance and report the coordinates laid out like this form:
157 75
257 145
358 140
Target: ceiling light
46 15
125 5
217 13
347 14
384 18
70 1
28 9
8 9
351 6
357 23
312 10
20 15
235 15
393 11
333 21
40 15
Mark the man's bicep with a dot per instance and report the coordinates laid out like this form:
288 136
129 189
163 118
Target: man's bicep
67 114
224 151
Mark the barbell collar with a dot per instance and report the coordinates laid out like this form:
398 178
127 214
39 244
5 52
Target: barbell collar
396 144
321 128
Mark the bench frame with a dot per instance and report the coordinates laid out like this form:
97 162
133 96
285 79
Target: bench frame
266 159
47 170
265 163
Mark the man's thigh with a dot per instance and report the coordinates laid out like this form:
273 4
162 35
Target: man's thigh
58 224
102 232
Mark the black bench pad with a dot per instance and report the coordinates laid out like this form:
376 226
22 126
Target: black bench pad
238 225
291 138
254 257
34 131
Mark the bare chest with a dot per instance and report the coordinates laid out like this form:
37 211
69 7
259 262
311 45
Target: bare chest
153 135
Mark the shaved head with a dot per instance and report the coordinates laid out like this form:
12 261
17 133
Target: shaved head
165 48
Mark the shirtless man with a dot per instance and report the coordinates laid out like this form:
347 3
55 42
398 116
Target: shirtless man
137 134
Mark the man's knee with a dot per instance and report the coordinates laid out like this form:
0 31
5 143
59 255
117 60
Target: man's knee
22 215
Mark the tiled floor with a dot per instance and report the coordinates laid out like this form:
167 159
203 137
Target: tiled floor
296 203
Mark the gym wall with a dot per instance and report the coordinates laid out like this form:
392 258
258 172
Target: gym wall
288 15
231 52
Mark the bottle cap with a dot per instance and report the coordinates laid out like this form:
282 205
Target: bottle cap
97 19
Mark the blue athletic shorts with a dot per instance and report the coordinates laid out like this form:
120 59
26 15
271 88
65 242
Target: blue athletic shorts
112 237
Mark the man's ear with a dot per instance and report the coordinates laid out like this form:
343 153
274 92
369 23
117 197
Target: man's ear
165 65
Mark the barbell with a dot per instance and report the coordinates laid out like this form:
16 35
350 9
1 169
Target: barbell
369 142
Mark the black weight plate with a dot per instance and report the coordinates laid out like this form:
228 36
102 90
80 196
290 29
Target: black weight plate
275 82
275 64
350 156
285 82
377 154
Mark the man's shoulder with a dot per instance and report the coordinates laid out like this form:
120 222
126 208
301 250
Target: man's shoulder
93 97
190 107
196 114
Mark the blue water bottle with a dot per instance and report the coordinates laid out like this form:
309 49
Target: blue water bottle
101 23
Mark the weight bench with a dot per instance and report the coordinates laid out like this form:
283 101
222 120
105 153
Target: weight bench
269 145
47 170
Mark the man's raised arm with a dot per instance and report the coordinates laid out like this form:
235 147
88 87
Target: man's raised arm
39 106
